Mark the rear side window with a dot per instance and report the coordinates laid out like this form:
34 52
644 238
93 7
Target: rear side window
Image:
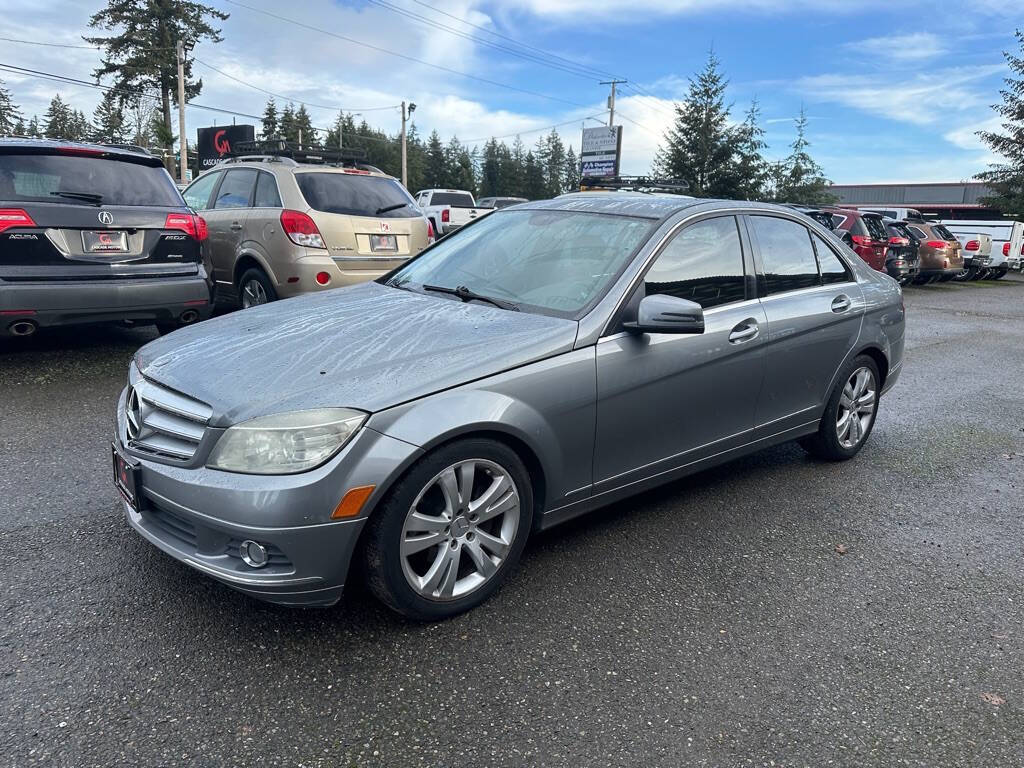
832 268
197 195
876 228
787 255
355 195
266 192
703 263
859 228
942 232
41 178
837 220
919 233
458 199
236 189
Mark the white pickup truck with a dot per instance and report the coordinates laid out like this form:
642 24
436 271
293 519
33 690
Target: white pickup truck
449 209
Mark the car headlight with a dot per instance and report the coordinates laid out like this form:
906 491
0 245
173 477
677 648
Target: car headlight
285 442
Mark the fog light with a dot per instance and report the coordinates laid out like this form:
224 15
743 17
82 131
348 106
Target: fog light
253 553
323 278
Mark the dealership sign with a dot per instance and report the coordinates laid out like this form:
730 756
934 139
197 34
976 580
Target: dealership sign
215 143
601 150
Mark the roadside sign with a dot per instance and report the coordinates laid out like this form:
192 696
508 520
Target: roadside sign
601 149
215 143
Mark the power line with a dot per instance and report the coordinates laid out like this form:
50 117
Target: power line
535 130
638 125
289 98
404 56
79 47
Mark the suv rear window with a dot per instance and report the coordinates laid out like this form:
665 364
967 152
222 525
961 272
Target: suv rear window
942 232
458 199
876 227
356 195
38 178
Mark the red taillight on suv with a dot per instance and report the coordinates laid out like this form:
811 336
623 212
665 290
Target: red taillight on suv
899 241
189 223
972 245
14 217
430 233
1006 249
860 240
446 215
301 229
937 244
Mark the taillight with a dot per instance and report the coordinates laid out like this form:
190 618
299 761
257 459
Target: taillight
14 217
860 240
189 223
87 151
972 245
446 215
1006 249
898 241
430 232
301 229
937 244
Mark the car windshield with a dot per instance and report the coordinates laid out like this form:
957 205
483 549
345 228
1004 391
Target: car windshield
549 262
356 195
84 180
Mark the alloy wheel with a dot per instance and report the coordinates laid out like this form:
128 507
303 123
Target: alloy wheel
856 407
253 294
460 529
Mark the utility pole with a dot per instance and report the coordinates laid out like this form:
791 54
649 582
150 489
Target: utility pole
611 99
182 142
405 116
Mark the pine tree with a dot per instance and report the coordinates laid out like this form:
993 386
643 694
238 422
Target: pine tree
554 164
57 119
534 187
140 53
514 170
1007 178
436 170
269 129
286 126
490 170
33 128
10 115
109 122
571 174
304 132
19 127
752 171
700 147
802 179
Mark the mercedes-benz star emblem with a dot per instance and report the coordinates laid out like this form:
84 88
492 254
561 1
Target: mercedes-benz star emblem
133 414
106 217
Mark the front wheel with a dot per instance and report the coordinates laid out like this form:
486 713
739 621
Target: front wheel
451 529
850 413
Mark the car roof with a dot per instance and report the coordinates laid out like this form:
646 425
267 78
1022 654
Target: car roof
53 146
649 205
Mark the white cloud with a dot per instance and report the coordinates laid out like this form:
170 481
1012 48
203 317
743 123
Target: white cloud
912 47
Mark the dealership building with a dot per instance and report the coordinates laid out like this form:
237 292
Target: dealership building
954 200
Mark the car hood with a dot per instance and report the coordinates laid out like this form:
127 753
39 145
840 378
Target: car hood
368 347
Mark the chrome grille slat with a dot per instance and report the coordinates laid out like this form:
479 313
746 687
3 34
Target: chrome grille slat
174 426
162 422
167 400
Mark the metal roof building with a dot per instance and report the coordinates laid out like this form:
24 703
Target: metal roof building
952 200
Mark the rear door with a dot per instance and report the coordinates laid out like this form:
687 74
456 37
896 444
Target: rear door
82 214
814 315
226 218
879 241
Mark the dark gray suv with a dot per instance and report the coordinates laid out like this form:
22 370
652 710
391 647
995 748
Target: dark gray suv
94 233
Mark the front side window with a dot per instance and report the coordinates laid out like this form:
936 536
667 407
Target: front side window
703 263
236 189
786 254
550 262
198 193
831 266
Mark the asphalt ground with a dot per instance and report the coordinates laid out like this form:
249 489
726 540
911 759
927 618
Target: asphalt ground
772 612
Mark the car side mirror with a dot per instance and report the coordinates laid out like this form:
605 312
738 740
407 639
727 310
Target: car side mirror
660 313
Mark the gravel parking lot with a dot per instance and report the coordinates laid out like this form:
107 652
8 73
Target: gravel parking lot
775 611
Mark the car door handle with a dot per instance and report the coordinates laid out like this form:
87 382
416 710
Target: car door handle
235 225
841 303
745 331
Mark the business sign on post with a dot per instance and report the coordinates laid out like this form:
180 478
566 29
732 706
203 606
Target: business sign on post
215 143
601 150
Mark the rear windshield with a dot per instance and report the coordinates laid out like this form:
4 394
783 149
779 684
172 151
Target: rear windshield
458 199
43 178
942 232
355 195
876 228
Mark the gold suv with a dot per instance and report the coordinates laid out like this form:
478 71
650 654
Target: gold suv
284 225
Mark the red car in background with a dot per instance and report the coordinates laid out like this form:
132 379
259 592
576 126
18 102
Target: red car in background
868 234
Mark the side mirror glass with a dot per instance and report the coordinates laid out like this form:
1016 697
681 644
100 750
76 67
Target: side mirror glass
660 313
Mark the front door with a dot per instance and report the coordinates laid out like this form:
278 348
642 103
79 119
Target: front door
226 221
664 400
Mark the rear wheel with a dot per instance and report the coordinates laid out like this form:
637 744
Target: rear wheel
449 532
999 274
850 413
965 274
255 288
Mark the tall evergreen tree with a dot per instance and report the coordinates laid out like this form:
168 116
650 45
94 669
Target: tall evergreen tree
554 164
19 127
1007 178
752 171
514 170
490 170
57 119
286 125
10 115
700 147
304 132
571 174
436 169
33 128
534 187
140 55
802 179
269 129
109 123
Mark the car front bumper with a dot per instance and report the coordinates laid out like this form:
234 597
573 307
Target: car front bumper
201 516
46 304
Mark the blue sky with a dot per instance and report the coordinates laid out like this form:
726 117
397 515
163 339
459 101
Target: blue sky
895 91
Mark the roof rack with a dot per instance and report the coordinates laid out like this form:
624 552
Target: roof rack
634 184
279 150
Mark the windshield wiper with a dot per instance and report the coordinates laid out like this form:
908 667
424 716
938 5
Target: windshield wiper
88 197
462 292
387 208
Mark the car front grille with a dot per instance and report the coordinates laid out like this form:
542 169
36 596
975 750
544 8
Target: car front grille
162 422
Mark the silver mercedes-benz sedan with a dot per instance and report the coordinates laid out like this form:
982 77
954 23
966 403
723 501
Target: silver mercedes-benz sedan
546 360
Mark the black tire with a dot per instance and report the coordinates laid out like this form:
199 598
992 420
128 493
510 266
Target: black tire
824 444
381 548
257 275
999 274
